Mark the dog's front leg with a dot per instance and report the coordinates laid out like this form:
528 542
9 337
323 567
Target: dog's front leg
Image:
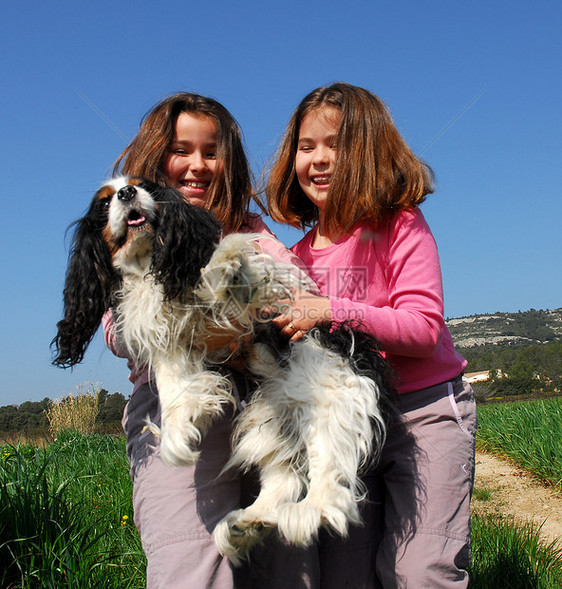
191 398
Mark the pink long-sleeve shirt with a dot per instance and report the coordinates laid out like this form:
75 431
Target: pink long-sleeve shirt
389 279
269 245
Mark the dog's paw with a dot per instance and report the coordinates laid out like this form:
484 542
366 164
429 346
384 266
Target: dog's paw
335 519
341 510
299 522
177 444
337 508
235 536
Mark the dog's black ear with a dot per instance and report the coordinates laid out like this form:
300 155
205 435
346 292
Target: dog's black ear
184 242
350 340
90 280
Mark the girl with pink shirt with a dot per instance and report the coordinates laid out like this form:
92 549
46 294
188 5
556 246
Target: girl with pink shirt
344 170
194 144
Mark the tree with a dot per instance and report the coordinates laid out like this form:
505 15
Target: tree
111 409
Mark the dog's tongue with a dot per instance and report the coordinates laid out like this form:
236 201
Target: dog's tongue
137 221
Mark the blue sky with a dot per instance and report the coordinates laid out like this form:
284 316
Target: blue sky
474 87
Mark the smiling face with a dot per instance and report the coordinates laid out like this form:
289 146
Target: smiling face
191 162
315 159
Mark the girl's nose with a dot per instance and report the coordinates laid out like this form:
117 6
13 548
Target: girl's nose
321 155
197 161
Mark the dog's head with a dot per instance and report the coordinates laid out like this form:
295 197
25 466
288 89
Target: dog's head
127 214
133 228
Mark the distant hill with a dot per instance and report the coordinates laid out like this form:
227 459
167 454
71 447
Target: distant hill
507 329
520 353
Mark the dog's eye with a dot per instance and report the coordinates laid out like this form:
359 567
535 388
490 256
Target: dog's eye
105 202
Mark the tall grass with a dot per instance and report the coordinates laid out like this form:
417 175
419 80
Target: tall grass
76 412
529 432
66 516
512 556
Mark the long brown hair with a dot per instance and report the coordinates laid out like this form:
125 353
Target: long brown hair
376 173
231 189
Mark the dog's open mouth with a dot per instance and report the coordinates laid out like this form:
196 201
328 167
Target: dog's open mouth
135 219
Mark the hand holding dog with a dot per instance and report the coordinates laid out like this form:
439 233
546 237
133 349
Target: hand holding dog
304 312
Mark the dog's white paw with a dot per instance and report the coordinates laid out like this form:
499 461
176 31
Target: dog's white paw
340 510
177 443
335 519
299 522
183 426
235 536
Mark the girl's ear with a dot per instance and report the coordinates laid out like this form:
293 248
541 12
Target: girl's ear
90 280
184 242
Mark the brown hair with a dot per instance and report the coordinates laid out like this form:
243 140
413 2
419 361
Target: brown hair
231 189
376 173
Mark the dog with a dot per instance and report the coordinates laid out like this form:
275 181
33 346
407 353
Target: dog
318 414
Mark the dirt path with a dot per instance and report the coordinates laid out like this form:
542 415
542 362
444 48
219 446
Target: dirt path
512 492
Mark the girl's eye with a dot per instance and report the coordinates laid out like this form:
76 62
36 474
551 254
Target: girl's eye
212 155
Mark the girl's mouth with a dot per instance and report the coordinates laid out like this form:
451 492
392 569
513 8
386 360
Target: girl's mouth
321 180
194 184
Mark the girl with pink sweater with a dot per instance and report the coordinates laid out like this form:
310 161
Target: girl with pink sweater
344 170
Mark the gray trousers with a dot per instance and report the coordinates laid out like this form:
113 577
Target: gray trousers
427 470
416 530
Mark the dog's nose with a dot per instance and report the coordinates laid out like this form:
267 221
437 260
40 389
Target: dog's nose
126 193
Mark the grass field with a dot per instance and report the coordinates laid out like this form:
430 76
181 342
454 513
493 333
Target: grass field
66 517
530 433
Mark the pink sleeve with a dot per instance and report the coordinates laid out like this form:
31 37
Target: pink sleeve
411 321
270 245
136 376
108 325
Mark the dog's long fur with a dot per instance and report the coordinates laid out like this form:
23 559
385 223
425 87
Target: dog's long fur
317 416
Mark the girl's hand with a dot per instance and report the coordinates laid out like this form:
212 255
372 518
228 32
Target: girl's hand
218 339
305 311
227 347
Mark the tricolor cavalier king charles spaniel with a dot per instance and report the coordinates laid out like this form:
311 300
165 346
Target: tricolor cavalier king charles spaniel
317 416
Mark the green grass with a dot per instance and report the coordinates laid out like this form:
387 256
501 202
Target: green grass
66 516
482 494
530 433
506 555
